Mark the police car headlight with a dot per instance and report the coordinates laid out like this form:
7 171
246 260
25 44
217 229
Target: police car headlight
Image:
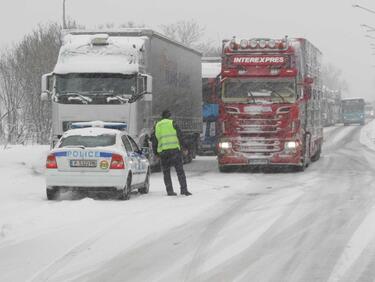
225 145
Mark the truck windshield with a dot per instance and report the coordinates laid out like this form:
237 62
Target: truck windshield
103 140
259 91
94 88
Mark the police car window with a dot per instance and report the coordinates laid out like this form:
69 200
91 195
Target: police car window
126 143
103 140
134 144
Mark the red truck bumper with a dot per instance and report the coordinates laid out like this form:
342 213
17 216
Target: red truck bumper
279 159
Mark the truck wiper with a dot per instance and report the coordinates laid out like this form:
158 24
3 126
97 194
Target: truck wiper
135 97
273 91
249 93
117 98
75 95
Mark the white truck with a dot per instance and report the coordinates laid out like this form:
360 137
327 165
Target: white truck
128 76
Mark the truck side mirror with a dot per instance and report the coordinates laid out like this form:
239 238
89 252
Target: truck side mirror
44 96
47 86
147 83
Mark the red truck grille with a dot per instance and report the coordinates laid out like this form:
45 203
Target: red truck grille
258 125
256 145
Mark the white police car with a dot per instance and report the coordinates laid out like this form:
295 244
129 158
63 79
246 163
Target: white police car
97 159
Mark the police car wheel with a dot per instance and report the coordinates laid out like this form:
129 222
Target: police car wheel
146 185
127 189
51 194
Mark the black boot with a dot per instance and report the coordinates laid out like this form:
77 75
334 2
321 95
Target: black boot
172 193
186 193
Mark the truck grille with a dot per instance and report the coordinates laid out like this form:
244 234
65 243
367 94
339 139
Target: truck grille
258 125
259 134
256 145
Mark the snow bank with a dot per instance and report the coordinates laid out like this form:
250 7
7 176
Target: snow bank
367 136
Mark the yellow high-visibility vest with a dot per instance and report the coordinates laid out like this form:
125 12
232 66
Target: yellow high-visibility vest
166 135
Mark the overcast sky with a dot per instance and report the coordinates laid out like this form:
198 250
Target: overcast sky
332 25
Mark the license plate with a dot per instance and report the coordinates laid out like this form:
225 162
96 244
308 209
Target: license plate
83 163
258 161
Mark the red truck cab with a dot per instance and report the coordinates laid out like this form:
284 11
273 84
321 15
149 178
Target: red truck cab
270 103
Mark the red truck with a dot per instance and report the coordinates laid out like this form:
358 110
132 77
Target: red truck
270 112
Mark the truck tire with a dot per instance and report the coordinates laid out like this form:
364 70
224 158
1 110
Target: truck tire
146 186
224 168
317 154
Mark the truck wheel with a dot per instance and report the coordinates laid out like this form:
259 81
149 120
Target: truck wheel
51 194
317 154
146 185
125 193
224 169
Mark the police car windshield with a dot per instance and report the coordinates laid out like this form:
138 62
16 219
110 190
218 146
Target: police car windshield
103 140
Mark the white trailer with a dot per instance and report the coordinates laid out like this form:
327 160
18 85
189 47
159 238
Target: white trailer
129 76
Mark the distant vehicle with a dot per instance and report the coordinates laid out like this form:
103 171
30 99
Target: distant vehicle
128 76
270 111
369 111
211 68
331 106
96 159
353 111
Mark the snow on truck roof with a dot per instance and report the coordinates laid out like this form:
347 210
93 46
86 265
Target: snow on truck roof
99 53
116 51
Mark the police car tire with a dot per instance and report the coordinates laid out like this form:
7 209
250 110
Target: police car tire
127 190
146 186
51 194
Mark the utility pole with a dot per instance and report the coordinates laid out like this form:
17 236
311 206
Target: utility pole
64 21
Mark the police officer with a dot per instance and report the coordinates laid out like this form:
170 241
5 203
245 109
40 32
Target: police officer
166 142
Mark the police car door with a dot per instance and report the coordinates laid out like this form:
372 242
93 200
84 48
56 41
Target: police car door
133 162
141 169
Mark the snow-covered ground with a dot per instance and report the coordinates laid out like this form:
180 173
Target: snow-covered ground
316 224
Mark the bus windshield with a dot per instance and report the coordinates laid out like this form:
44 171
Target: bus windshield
353 106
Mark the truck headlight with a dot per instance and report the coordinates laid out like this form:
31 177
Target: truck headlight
225 145
290 145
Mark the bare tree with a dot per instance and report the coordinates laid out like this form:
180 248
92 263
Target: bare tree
208 49
21 68
332 78
186 32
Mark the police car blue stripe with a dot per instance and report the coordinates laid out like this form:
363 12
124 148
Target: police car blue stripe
61 154
105 155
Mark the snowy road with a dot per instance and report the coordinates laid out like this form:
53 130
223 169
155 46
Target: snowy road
311 226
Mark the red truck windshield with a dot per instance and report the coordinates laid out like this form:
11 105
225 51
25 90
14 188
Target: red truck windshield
259 90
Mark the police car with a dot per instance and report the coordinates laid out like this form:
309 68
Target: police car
97 158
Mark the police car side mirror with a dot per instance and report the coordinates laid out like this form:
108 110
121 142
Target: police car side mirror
145 151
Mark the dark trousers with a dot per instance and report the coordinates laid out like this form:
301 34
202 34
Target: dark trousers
168 159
